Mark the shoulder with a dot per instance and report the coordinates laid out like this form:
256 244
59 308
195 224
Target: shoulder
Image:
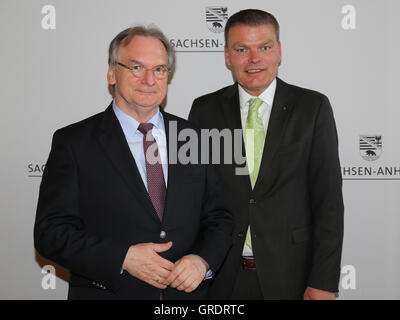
78 131
212 104
302 94
215 96
308 103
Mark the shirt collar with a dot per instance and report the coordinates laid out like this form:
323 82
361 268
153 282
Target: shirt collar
267 95
130 125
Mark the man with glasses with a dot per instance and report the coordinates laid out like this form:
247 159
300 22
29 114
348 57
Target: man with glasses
288 210
113 209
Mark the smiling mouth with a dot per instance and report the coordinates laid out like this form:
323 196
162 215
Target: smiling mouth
252 71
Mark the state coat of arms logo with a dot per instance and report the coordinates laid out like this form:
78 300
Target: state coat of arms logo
216 18
370 147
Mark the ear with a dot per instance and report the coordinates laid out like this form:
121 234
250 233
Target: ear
280 53
280 50
111 76
227 58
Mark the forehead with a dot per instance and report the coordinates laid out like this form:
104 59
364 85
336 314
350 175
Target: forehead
147 50
248 34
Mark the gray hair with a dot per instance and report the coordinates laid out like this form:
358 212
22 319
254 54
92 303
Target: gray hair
124 37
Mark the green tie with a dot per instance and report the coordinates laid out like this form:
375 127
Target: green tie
254 143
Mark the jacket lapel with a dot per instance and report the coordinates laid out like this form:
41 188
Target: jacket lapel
276 128
171 167
116 147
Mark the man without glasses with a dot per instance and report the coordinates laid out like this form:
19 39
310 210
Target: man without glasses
288 210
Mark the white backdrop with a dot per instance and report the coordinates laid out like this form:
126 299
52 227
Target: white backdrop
54 64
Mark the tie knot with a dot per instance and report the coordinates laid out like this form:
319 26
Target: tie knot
255 103
145 127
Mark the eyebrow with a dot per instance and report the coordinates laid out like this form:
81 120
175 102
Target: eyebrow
269 42
138 62
238 44
135 61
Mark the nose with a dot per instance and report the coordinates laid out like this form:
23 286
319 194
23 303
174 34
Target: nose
254 56
148 77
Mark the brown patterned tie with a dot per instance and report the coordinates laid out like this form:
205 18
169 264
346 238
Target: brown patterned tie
155 177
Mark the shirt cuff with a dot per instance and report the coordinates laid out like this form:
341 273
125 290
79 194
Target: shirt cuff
208 275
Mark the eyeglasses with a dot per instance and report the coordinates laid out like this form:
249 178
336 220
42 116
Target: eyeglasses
159 72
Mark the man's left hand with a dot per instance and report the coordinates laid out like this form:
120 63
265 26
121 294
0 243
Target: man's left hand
188 273
316 294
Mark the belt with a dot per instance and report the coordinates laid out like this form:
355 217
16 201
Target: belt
248 263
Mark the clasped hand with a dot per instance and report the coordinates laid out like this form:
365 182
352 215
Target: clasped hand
144 262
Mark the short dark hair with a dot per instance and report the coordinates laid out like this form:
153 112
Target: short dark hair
251 17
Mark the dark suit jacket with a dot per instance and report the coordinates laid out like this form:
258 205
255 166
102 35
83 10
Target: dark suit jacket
93 205
296 208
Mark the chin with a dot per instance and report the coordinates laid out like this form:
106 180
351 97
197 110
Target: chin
147 102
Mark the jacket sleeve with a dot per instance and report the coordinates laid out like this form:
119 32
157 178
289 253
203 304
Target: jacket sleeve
60 233
215 237
325 185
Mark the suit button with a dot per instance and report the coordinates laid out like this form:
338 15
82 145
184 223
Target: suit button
252 201
240 234
163 234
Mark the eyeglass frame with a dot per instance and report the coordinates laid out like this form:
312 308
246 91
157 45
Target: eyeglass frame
145 69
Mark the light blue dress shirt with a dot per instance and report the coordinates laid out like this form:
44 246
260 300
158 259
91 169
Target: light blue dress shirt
135 140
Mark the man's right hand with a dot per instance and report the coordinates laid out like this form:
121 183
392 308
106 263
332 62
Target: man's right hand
143 262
